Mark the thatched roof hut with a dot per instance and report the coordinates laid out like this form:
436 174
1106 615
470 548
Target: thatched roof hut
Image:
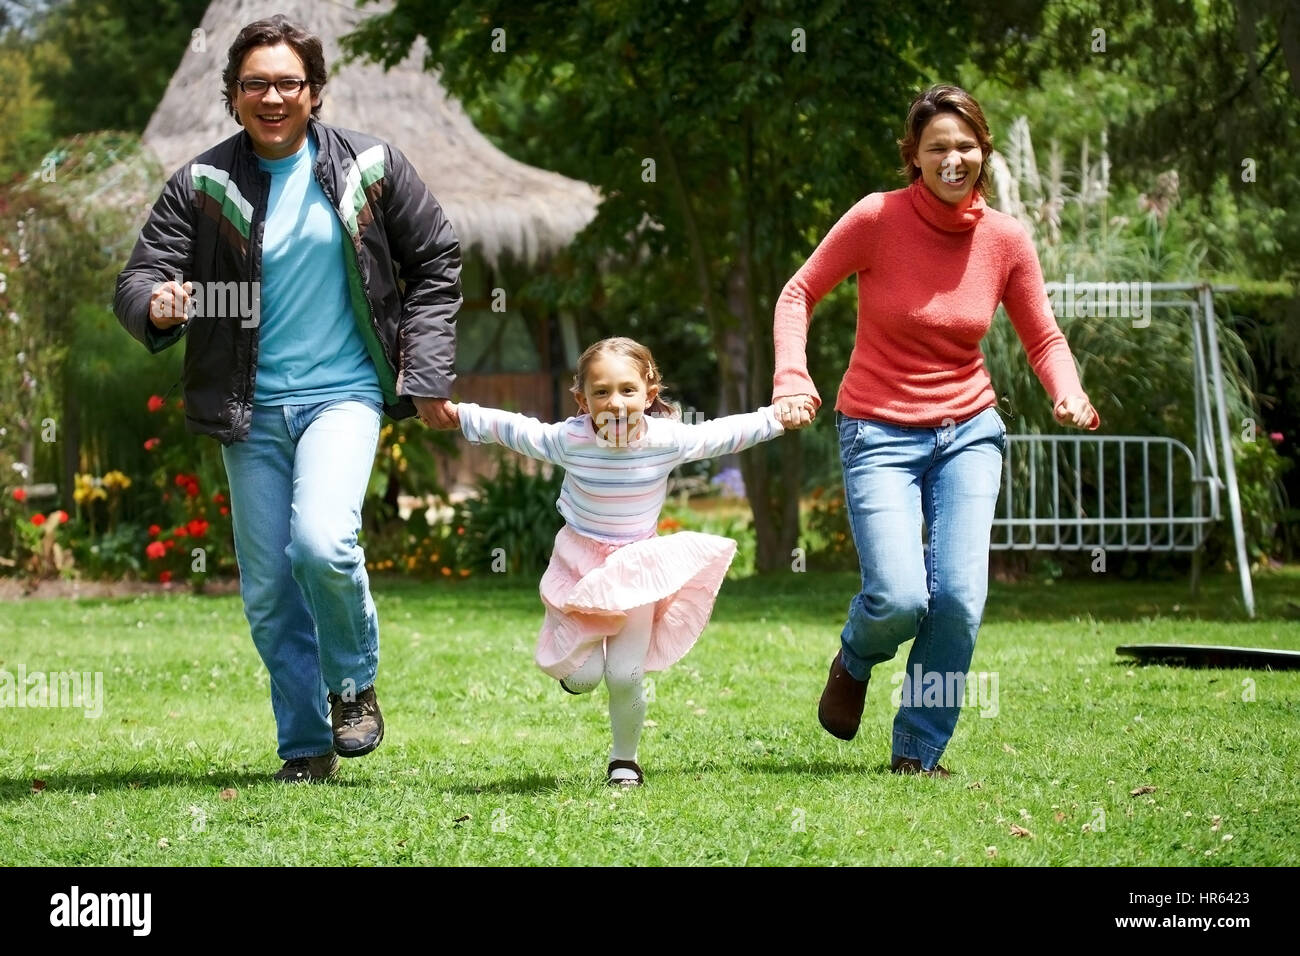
497 204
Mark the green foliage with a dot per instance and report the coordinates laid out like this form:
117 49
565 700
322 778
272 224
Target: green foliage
106 63
1259 472
24 112
510 526
115 554
1206 88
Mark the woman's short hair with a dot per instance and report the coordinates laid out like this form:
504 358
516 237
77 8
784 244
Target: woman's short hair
938 99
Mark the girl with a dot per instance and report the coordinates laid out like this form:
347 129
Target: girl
619 600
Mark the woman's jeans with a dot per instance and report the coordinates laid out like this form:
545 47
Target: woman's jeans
296 488
895 476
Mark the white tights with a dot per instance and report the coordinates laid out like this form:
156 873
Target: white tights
622 664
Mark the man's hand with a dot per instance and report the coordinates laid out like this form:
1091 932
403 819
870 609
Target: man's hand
168 304
439 413
1077 411
795 411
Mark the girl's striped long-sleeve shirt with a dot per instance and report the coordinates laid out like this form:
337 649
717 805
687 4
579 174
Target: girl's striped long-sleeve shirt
611 493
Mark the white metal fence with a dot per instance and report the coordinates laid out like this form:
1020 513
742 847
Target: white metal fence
1131 492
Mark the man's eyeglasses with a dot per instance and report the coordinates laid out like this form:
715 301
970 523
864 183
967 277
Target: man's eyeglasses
285 86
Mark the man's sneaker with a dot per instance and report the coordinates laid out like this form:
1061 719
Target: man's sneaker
358 724
840 709
308 769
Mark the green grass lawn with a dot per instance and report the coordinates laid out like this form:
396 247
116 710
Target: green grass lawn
487 761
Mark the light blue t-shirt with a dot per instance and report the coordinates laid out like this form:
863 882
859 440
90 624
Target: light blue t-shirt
310 348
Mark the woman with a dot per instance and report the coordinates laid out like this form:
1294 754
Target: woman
920 436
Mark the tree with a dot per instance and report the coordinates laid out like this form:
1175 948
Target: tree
109 61
726 136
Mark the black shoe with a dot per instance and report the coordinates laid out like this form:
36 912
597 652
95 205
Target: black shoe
308 769
624 765
358 724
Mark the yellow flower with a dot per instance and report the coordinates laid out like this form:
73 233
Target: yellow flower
116 481
87 489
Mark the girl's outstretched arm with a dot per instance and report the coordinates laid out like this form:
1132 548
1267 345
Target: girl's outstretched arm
520 433
727 435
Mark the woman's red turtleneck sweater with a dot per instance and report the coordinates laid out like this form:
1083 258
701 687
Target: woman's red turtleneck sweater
930 277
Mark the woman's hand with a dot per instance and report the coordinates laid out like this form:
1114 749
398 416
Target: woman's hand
1076 410
795 411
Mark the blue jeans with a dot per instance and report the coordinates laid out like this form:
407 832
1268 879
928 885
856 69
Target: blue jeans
296 488
895 476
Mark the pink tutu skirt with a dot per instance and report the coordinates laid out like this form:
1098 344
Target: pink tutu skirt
590 586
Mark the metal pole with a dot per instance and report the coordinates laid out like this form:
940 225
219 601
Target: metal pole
1225 435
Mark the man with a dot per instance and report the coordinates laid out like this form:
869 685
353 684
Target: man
354 273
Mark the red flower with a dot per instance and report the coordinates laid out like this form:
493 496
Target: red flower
197 528
165 577
20 494
155 550
218 499
1276 436
224 511
179 532
169 544
181 479
154 531
61 516
151 443
192 490
155 402
38 520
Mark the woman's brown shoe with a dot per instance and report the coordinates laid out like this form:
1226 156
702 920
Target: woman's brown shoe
910 765
840 709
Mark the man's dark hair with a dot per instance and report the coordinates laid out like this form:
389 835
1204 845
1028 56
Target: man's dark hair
272 32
